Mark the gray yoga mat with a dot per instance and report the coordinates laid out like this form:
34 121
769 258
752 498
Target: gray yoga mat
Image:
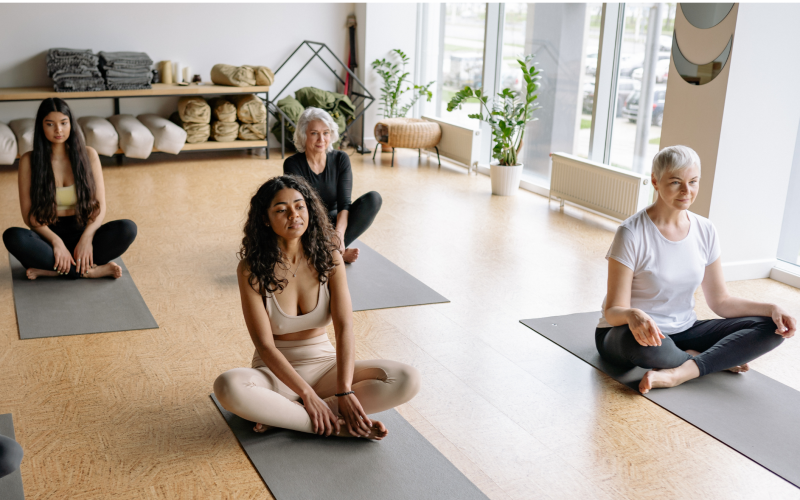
403 465
375 282
752 413
53 307
11 485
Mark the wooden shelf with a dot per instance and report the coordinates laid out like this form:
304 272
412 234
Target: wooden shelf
159 89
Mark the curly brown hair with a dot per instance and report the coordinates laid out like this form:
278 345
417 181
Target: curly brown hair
260 249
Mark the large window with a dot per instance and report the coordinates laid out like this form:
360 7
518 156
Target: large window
634 143
461 60
564 39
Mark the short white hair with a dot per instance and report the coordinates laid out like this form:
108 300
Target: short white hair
674 158
308 116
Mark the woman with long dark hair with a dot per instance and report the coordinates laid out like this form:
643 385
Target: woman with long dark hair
292 284
62 200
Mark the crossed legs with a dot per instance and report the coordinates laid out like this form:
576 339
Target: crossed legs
253 393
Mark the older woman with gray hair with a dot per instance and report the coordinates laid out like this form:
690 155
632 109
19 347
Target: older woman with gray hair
329 172
657 260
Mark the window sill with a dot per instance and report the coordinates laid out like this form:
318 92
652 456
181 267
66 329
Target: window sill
786 273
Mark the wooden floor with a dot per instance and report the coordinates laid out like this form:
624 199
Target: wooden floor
127 414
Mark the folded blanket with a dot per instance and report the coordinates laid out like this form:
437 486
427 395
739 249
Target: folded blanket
235 76
249 108
127 79
223 110
194 110
125 59
112 72
253 131
128 86
224 131
80 85
292 108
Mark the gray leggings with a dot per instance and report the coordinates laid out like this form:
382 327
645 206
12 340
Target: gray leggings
723 343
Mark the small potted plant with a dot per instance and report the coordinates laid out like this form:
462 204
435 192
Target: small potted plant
510 112
394 76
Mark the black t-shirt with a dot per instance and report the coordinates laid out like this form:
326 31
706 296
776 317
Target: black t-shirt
334 184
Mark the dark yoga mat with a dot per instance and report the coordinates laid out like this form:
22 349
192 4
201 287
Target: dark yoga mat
377 283
752 413
11 485
403 465
54 307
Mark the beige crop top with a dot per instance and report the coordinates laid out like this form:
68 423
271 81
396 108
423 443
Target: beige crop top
283 323
66 198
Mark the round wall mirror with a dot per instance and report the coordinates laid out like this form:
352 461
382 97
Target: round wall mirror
705 15
699 74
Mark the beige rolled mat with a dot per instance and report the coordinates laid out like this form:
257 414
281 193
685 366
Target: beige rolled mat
264 75
222 109
235 76
197 132
249 108
224 131
194 110
253 131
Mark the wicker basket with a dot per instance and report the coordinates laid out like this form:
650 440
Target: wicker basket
413 133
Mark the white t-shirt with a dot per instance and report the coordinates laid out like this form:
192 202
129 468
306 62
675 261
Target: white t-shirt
665 273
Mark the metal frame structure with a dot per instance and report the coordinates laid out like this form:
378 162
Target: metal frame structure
363 99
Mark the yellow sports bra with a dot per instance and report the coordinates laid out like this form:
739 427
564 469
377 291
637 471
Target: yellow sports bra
66 198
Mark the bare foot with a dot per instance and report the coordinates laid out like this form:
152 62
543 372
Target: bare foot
111 269
377 431
734 369
350 255
656 379
35 273
261 428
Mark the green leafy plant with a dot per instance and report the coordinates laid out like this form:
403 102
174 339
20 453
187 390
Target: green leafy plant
394 75
509 112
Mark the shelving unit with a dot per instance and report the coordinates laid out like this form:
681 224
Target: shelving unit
20 94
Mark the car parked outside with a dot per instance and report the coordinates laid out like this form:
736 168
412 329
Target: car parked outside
591 64
588 97
662 71
630 109
624 88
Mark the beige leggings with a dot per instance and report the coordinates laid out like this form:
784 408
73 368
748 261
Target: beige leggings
256 394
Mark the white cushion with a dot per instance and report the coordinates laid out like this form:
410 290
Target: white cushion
169 138
8 145
100 134
23 129
135 139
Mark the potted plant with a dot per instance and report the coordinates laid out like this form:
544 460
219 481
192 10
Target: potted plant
394 75
510 112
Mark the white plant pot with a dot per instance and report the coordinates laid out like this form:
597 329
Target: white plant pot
505 180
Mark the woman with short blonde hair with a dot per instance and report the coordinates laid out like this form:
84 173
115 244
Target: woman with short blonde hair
657 260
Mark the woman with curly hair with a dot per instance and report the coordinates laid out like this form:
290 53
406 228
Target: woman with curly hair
63 202
292 284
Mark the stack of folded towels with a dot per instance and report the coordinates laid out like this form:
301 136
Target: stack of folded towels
126 70
74 70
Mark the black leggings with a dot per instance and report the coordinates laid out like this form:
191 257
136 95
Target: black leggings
362 213
723 343
109 242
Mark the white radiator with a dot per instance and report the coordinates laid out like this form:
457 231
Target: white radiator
459 143
609 190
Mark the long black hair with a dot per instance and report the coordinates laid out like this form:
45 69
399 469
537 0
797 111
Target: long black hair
43 183
260 248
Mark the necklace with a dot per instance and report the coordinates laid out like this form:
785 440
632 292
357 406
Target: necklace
294 274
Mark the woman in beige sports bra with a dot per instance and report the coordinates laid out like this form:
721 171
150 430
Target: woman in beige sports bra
63 202
292 283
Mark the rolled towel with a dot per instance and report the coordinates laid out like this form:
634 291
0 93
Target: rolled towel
135 139
249 108
8 145
23 130
169 138
222 109
194 110
253 131
224 131
195 132
264 75
235 76
100 134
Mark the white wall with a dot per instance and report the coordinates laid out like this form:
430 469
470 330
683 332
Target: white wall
199 35
381 28
757 139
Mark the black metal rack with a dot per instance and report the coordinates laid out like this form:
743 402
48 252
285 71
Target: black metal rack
362 100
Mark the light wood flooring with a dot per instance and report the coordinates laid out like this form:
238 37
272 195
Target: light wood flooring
127 414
